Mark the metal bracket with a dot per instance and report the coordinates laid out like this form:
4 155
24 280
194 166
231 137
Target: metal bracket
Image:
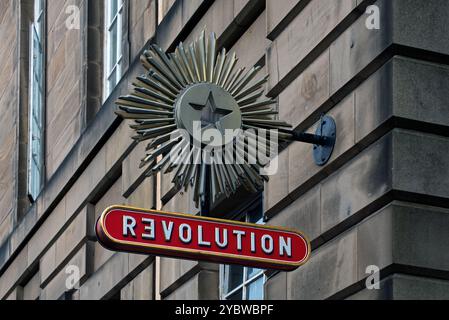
323 140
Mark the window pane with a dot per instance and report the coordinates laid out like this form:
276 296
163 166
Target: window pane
112 81
113 46
255 215
113 10
252 272
254 290
233 277
236 296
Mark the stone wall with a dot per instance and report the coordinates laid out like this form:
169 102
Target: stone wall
381 200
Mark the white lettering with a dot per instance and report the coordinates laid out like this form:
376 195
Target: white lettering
149 228
201 242
129 224
224 243
168 230
269 249
285 246
185 228
239 235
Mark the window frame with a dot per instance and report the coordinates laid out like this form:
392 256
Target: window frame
36 126
246 281
110 20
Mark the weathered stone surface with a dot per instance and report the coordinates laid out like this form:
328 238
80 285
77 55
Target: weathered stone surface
141 287
277 188
143 21
358 46
417 98
61 282
304 214
277 11
418 24
360 182
131 173
113 276
421 163
64 124
43 237
217 19
203 286
405 287
112 197
275 288
335 265
78 232
175 272
315 21
307 92
373 101
9 117
301 164
250 48
32 290
142 196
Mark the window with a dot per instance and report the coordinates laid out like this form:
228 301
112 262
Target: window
244 283
36 103
113 46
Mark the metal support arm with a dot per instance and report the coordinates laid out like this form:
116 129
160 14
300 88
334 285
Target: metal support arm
323 140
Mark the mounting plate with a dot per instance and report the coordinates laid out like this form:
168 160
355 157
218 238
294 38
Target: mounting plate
327 128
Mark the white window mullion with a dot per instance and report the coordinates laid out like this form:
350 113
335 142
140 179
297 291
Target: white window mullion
113 55
36 94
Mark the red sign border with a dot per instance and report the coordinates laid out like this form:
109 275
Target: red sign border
107 241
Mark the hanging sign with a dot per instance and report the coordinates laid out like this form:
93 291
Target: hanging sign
184 236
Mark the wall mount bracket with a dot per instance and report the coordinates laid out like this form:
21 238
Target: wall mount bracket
323 140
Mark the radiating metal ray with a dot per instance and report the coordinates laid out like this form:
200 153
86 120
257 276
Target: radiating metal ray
254 87
257 105
250 99
151 84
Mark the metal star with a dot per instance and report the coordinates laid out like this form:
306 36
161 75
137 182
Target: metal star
211 114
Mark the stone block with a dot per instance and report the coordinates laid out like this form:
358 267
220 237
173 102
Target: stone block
31 291
358 46
277 11
61 283
47 232
374 101
277 188
360 182
143 195
315 21
304 214
406 287
203 286
131 173
301 164
334 264
250 47
417 98
141 287
275 288
78 232
421 25
420 163
306 93
106 279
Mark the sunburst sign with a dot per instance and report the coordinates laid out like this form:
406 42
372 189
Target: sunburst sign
194 104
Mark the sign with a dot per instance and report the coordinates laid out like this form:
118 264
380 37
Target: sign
199 238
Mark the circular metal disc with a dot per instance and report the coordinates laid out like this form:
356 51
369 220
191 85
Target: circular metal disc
209 114
327 128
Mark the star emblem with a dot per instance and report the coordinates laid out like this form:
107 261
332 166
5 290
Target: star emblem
211 114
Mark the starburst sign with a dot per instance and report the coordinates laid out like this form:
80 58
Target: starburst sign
192 99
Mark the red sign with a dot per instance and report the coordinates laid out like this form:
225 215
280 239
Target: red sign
199 238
